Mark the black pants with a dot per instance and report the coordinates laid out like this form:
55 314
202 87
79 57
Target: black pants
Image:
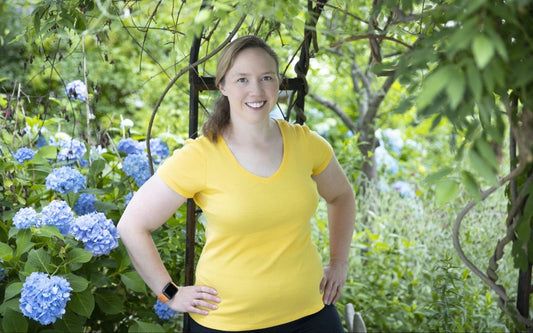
326 320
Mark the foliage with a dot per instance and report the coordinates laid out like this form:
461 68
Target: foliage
126 53
404 276
478 62
41 235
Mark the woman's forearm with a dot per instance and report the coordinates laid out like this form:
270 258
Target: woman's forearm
341 220
145 258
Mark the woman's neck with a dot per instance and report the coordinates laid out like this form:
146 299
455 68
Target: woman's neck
258 133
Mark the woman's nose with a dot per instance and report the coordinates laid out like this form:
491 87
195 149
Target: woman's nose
255 86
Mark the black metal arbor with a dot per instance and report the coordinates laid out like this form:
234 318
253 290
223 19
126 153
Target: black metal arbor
198 83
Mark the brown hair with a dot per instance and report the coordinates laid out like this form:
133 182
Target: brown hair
219 119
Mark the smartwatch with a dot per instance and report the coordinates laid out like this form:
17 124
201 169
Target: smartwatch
168 292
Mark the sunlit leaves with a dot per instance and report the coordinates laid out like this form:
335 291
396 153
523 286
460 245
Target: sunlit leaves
433 85
483 50
446 190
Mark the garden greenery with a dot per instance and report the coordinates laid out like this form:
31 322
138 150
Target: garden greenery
62 264
77 87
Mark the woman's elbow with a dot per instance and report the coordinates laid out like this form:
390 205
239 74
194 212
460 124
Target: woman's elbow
123 229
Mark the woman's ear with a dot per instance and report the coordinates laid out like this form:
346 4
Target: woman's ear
220 87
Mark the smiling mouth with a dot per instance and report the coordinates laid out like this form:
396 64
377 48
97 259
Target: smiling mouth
256 105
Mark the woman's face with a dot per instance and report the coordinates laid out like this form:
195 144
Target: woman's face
251 85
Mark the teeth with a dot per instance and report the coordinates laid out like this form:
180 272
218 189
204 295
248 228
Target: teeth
256 105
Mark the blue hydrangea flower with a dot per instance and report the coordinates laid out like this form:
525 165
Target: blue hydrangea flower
58 214
85 204
385 160
65 180
23 154
130 146
72 150
2 275
41 141
26 217
44 298
393 139
158 149
138 167
76 90
163 311
404 188
98 234
128 197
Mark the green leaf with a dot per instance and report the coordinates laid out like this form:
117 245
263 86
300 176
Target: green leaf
80 22
474 80
433 85
456 88
13 304
47 152
488 78
445 191
6 252
202 17
481 167
141 327
438 175
133 281
520 258
12 290
528 208
39 259
109 303
498 43
23 242
82 303
97 166
523 229
70 322
471 185
49 232
104 206
39 12
78 255
77 283
486 152
14 321
483 50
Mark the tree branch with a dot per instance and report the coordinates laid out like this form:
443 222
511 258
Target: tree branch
337 110
370 36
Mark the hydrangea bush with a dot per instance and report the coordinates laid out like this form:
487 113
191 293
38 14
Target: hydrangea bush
62 265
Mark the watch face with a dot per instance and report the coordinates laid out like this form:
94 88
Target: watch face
170 290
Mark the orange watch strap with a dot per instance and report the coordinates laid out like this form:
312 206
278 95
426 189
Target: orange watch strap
162 298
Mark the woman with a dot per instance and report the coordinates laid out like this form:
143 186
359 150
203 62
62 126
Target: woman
257 181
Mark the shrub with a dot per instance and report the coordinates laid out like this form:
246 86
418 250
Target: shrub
62 265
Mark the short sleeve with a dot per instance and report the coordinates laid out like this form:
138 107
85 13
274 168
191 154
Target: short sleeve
321 152
184 171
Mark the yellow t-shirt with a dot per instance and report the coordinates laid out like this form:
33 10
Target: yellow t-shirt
258 253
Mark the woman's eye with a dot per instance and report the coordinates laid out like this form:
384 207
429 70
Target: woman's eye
267 78
241 80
